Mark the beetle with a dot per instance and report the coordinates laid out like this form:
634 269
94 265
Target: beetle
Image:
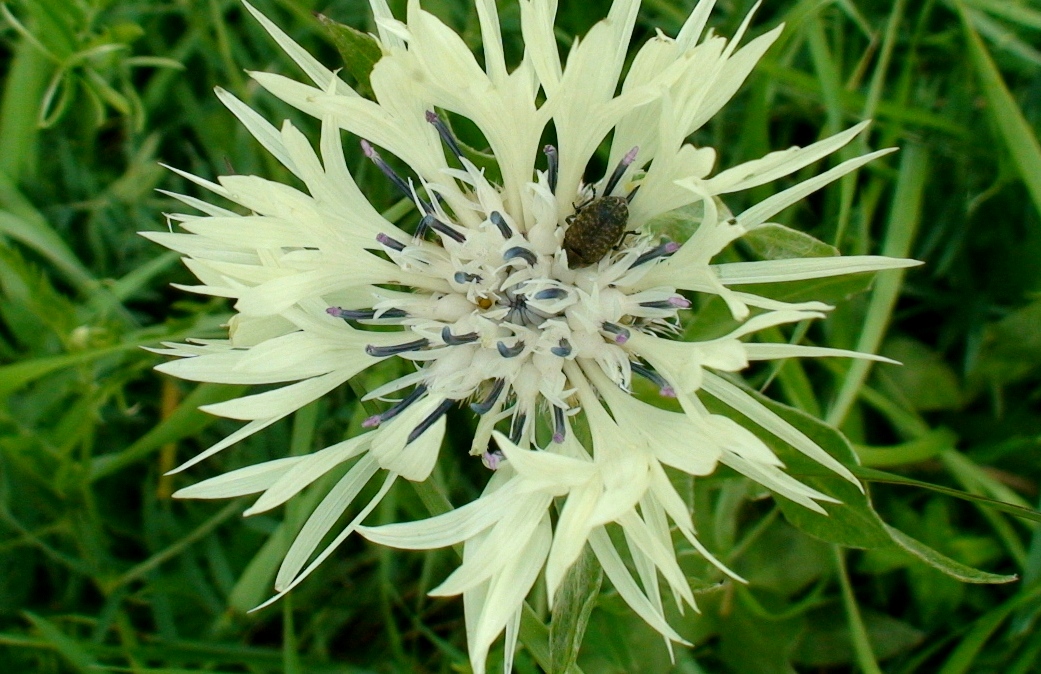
594 229
598 224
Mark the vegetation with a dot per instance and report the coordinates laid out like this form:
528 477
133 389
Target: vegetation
100 570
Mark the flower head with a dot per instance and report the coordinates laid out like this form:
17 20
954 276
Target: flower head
530 297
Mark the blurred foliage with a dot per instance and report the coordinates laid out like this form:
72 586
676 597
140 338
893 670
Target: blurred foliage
99 567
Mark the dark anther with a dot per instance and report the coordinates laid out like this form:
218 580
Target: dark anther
521 252
398 408
431 419
664 250
383 351
500 222
510 351
446 134
559 427
489 400
463 277
676 302
364 314
621 334
455 340
393 244
650 375
392 175
619 171
550 294
440 227
563 348
552 166
517 427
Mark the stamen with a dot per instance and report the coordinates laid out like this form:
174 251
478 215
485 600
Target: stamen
364 314
446 134
398 408
463 277
619 170
551 294
650 375
675 302
488 403
518 309
621 334
552 166
510 351
438 226
393 244
500 222
383 166
559 427
393 350
664 250
455 340
392 175
521 252
493 459
563 349
517 428
431 419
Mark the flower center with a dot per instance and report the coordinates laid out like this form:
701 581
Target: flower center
503 312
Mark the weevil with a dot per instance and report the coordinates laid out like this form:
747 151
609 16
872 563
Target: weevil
594 229
598 225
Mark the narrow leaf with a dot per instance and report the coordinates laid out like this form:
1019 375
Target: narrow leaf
1015 131
359 50
872 475
574 603
941 562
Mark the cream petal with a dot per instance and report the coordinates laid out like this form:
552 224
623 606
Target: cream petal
322 520
347 531
306 470
248 480
797 269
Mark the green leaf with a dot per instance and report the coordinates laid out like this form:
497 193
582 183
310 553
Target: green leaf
360 51
852 522
572 606
831 289
872 475
941 562
913 451
1011 348
777 242
1015 131
971 644
678 224
926 382
187 420
69 649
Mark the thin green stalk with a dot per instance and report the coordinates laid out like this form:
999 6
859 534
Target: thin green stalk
861 644
904 218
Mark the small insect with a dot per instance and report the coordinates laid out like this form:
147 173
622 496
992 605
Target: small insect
595 228
598 225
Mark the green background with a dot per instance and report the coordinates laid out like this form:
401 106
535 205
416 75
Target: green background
100 570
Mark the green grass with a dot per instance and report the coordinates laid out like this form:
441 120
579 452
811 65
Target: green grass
100 570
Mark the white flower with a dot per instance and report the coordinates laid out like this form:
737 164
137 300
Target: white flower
530 298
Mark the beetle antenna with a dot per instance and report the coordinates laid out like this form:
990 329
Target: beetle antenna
619 170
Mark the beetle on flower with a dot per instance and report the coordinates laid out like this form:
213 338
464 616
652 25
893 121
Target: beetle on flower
511 298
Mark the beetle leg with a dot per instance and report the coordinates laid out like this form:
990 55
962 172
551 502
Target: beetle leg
631 232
